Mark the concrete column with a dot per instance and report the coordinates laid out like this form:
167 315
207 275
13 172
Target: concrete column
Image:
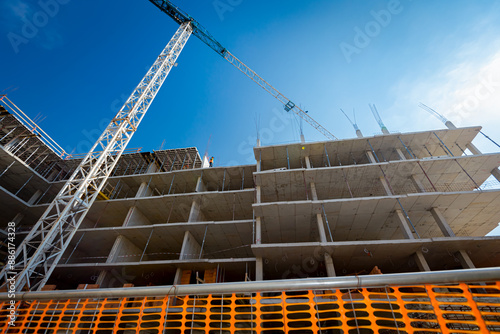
371 157
421 262
258 231
474 150
121 247
35 196
17 218
465 260
417 183
405 227
195 214
321 228
330 269
401 155
372 160
314 194
258 194
442 223
496 174
178 276
386 186
259 269
190 247
308 162
135 218
52 175
144 190
152 168
200 185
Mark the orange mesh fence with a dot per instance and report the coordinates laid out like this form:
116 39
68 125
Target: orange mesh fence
456 308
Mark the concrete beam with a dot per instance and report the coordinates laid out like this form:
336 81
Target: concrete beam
465 259
190 247
400 154
417 183
420 261
442 223
403 224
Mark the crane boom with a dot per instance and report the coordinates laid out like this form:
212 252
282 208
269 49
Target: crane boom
199 31
41 250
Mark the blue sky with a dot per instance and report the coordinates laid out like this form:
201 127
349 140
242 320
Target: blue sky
82 60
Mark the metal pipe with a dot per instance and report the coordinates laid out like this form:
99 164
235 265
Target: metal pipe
443 144
427 176
406 147
26 161
327 158
8 167
173 162
8 133
320 283
24 185
430 154
147 243
327 223
494 142
243 179
287 158
203 243
46 156
461 149
373 151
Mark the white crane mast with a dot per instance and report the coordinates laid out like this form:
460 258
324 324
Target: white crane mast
40 251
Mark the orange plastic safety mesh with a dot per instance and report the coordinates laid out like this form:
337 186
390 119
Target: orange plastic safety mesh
457 308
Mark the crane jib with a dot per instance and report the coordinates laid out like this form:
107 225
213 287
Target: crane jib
203 34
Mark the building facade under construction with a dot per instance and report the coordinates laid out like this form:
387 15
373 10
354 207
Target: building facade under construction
351 218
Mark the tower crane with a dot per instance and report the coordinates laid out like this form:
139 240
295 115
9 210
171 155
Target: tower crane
39 253
199 31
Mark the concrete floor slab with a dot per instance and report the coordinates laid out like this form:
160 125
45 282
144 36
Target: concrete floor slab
345 215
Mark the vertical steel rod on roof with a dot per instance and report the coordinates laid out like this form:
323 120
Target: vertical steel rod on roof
40 252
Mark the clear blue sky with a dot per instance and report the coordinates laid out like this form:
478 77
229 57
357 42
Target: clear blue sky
84 58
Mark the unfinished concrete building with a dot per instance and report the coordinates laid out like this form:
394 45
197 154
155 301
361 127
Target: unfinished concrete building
387 204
